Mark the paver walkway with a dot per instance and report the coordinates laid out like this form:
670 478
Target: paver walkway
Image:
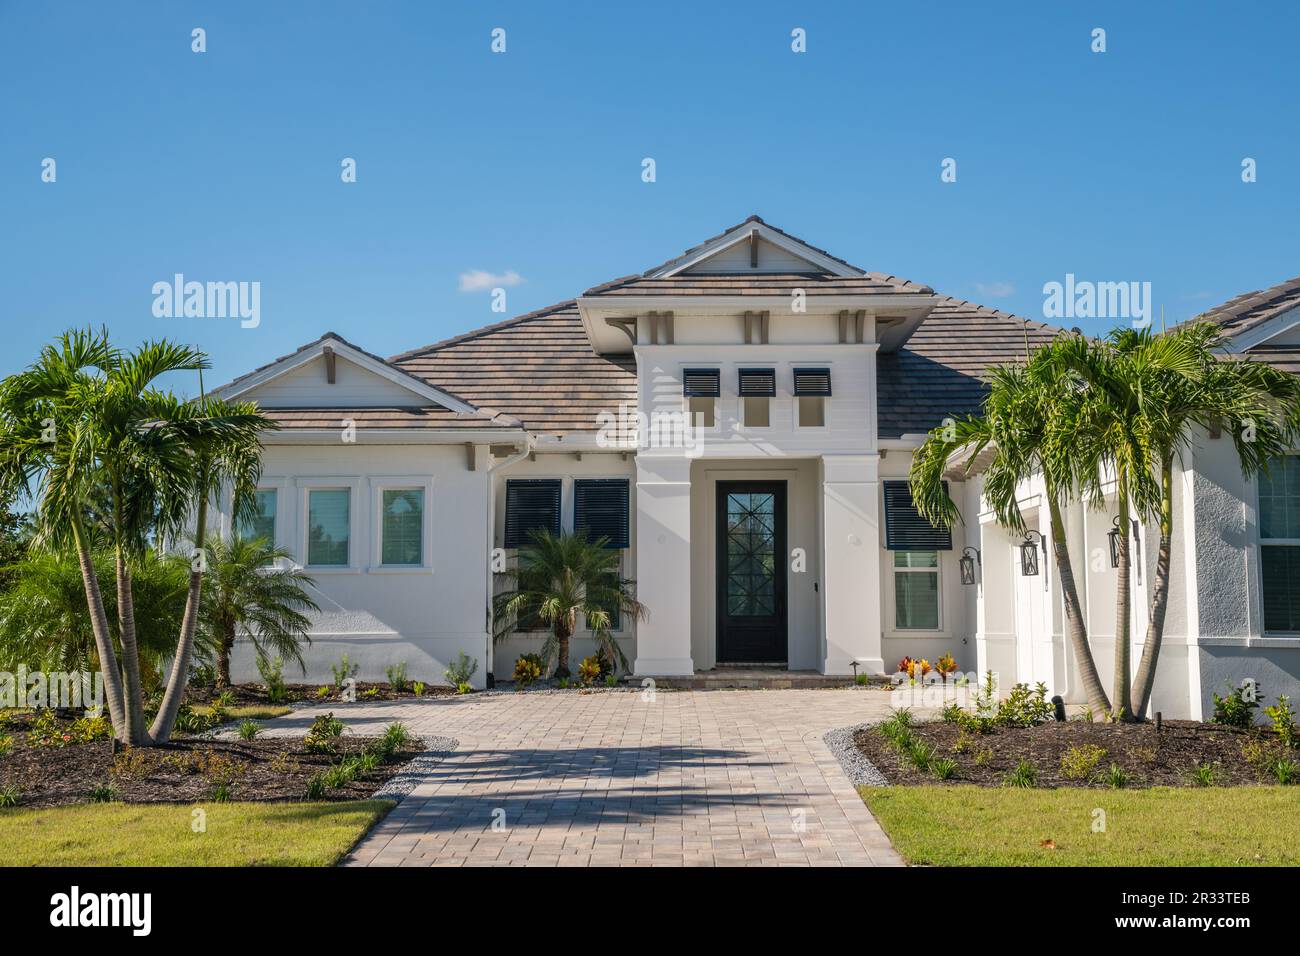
693 778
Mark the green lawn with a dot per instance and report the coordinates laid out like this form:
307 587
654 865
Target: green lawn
238 834
981 826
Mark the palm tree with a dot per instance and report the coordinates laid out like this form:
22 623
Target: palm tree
85 429
250 595
1171 383
558 579
1026 423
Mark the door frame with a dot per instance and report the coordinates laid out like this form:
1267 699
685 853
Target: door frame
780 488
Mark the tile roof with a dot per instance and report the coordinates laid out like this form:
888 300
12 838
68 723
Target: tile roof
539 368
1253 308
940 371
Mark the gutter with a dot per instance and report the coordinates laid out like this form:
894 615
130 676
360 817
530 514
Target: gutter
529 443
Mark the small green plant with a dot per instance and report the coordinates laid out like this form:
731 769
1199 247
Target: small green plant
202 675
964 743
9 795
343 772
249 729
271 670
1286 771
951 713
316 787
1116 777
343 670
461 670
611 680
1081 762
1283 718
225 700
563 683
1023 777
589 669
862 680
324 732
6 744
396 674
323 691
1203 775
464 688
1237 708
920 754
417 688
222 791
368 761
397 734
370 693
102 793
944 769
984 757
1260 754
1025 708
528 668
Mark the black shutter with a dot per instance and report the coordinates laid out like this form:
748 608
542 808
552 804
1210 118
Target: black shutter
812 382
600 509
1280 572
531 503
700 383
757 382
905 529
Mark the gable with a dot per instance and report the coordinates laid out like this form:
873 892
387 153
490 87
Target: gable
308 386
764 256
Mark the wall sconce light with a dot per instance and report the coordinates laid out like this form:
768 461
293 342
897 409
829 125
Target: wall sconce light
1029 553
1113 534
967 564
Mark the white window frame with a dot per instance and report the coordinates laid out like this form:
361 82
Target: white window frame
937 571
378 485
356 535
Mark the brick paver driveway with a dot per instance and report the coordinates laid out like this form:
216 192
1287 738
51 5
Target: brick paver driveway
686 778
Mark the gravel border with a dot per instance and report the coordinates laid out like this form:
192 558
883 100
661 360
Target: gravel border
436 749
860 771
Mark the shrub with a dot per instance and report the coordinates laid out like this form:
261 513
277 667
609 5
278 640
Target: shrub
1286 771
1025 708
1237 709
951 713
418 688
396 674
945 666
1024 776
461 670
589 671
527 669
46 731
322 691
316 787
920 754
343 670
464 688
1283 718
563 683
325 729
1116 777
1081 763
370 693
203 675
249 729
368 761
944 769
397 734
271 671
102 793
862 680
225 700
9 795
611 680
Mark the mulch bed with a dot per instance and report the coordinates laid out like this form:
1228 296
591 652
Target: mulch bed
1150 759
251 694
186 769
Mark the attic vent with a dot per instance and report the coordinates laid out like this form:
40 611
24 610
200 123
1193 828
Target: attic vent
757 382
812 382
700 383
905 529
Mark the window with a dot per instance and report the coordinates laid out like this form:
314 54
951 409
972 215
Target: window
756 388
1279 534
402 527
812 386
600 508
329 526
905 529
531 503
262 524
701 386
916 590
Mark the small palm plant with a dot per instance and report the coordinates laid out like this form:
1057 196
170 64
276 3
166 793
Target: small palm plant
559 580
249 594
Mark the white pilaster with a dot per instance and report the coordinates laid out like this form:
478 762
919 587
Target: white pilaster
663 566
851 614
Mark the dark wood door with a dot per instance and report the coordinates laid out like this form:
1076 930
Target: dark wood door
751 572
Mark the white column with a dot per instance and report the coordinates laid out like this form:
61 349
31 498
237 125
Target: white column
663 566
851 615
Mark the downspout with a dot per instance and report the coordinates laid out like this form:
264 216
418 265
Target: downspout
529 442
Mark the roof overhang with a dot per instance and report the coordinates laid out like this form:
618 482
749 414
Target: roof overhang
398 436
1259 334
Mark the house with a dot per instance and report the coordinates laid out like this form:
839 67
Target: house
739 421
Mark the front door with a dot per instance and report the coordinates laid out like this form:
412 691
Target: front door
751 572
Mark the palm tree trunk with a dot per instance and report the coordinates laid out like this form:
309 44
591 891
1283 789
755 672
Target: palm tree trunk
1146 675
1074 612
133 698
562 651
179 677
108 666
224 650
1122 610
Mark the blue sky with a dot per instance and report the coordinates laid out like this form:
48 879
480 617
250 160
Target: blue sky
225 165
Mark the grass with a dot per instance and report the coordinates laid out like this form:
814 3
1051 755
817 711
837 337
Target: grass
246 711
1162 826
161 834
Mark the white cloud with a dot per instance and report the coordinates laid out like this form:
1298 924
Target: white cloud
478 280
995 290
